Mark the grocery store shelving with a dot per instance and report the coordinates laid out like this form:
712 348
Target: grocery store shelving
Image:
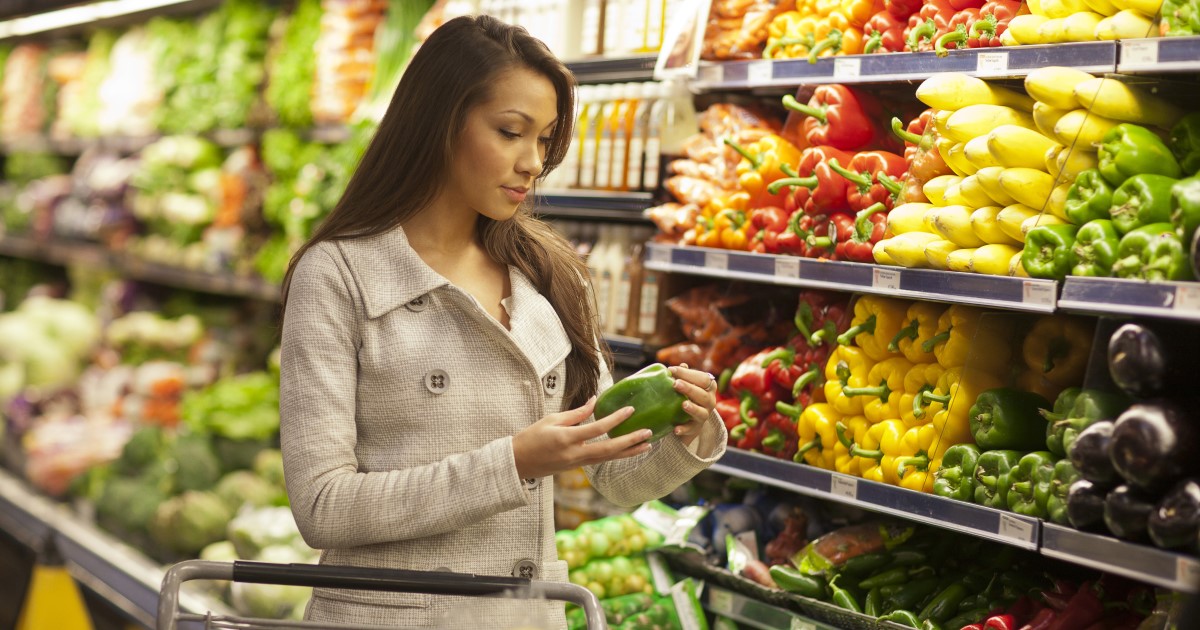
1107 296
1163 568
1020 294
37 18
593 205
629 352
754 613
1159 55
1005 62
228 138
614 69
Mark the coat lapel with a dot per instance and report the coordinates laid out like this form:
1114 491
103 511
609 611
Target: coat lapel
536 328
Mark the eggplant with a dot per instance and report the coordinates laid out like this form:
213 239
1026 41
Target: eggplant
1175 522
1146 362
1127 512
1089 454
1085 504
1154 444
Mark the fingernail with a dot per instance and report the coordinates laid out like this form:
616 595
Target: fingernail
627 410
645 434
678 430
678 384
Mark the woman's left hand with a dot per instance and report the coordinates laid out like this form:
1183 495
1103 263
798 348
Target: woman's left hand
701 390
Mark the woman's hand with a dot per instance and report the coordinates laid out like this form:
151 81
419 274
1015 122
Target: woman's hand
559 442
701 390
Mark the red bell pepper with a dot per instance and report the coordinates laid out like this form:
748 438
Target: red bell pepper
902 9
819 190
1044 620
814 230
781 439
1000 622
1084 609
994 17
861 234
884 32
766 224
837 116
727 409
791 241
862 172
753 387
924 160
926 25
957 33
820 317
960 5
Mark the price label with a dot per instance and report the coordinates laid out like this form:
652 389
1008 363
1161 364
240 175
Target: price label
991 63
716 260
801 624
886 279
843 486
712 74
658 570
1015 528
1187 572
847 67
1139 52
720 601
659 254
1040 293
1187 298
787 267
759 71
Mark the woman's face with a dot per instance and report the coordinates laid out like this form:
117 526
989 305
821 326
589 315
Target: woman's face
501 148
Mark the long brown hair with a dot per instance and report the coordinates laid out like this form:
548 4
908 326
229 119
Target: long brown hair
408 157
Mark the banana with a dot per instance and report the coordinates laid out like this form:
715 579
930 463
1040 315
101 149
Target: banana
953 223
1069 163
939 120
989 178
1125 24
1080 129
1041 219
977 153
909 217
1045 117
1007 39
1027 185
1145 7
986 225
1057 204
1014 146
908 250
1015 268
955 91
1024 28
960 260
1113 99
1012 217
1081 26
881 255
1054 86
935 189
1052 31
973 192
1062 8
993 259
936 253
1103 7
973 121
945 147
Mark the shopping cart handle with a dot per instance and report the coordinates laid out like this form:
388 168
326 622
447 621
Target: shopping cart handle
334 576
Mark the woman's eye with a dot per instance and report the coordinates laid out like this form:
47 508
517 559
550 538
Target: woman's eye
511 135
545 140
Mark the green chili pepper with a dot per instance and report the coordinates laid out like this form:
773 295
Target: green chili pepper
1142 200
651 392
867 563
1065 474
956 477
897 575
1087 406
1154 253
902 617
1095 249
991 477
873 602
1185 204
907 557
1005 418
793 581
1048 251
1128 150
1185 135
1029 484
842 598
1089 198
912 593
969 617
944 603
930 624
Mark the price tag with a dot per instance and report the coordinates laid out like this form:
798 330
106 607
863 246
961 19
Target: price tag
659 255
1187 572
847 67
1040 293
787 267
1187 298
759 71
801 624
716 260
658 570
1139 52
887 279
843 486
1015 528
712 74
720 601
991 63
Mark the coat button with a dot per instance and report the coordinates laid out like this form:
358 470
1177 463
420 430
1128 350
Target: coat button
533 483
437 381
550 384
526 569
418 304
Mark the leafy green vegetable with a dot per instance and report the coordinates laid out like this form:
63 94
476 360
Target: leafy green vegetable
243 407
292 66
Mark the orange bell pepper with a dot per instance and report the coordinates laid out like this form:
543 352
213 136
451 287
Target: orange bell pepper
836 35
761 166
859 12
724 223
791 35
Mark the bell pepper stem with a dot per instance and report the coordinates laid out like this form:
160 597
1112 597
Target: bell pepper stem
874 41
904 134
881 390
787 169
857 451
791 103
748 400
983 418
1058 348
738 432
723 381
774 440
804 380
755 159
785 356
957 37
986 24
791 411
889 184
862 180
807 182
862 222
840 429
820 242
843 372
933 341
924 397
917 462
925 30
806 447
784 41
833 40
1021 487
868 326
908 332
804 320
829 330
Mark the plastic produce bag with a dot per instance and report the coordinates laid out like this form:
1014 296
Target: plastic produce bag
833 549
737 29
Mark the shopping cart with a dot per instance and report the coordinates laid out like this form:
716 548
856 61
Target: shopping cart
328 576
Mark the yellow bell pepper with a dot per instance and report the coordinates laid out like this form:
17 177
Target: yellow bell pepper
878 450
921 451
817 430
1058 348
951 401
791 35
876 322
850 431
724 222
883 396
923 377
965 335
847 367
761 165
922 325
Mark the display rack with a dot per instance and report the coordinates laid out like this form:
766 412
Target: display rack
1106 296
754 613
1163 568
1159 55
614 69
593 205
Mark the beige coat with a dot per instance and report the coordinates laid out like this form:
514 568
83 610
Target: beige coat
399 397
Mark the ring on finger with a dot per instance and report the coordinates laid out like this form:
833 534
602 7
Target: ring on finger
712 384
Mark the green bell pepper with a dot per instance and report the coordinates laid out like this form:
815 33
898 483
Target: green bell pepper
1142 200
1088 407
1089 198
1005 418
956 477
1062 408
651 392
1128 150
1029 484
1185 135
1154 253
1095 249
1185 207
1065 474
1048 251
991 477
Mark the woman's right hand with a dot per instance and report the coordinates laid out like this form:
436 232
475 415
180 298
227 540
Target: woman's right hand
559 442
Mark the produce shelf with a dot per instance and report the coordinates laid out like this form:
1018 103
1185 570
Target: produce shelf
1159 55
1020 294
593 204
756 614
1148 564
1106 296
614 69
976 520
629 352
1005 62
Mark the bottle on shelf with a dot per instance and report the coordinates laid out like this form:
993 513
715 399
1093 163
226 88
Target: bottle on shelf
629 287
672 121
635 177
596 261
619 178
614 264
610 116
589 135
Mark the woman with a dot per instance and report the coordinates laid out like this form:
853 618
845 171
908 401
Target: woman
440 356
